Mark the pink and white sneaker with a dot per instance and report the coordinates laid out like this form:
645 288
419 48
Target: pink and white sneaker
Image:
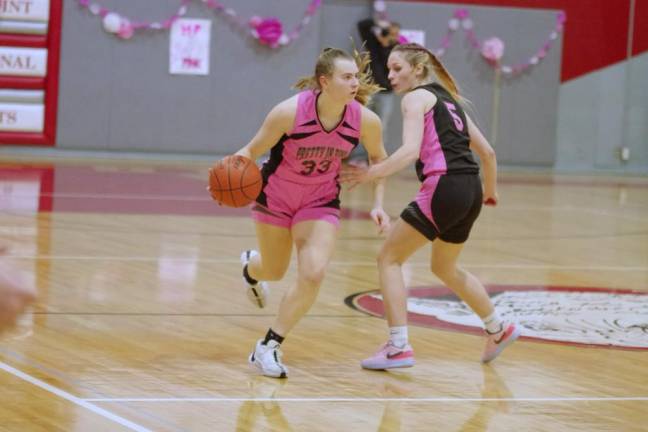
389 357
495 343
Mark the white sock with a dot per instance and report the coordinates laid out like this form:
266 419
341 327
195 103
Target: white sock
398 336
493 323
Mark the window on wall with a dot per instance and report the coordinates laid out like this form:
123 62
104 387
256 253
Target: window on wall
30 34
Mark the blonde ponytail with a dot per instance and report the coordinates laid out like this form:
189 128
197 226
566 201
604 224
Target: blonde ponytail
447 81
367 87
305 83
416 54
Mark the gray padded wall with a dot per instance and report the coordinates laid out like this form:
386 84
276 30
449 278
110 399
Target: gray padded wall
636 114
601 112
118 95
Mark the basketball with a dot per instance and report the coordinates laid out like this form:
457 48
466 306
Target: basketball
235 181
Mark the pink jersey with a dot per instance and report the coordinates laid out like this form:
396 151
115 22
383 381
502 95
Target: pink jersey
309 154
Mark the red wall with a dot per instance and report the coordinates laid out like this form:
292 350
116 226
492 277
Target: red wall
596 32
640 41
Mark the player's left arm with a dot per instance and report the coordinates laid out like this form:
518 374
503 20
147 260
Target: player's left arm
371 138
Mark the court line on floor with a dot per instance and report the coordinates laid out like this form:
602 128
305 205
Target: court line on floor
77 401
136 197
379 399
335 263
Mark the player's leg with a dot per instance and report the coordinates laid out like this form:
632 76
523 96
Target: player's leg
403 240
269 263
314 241
469 289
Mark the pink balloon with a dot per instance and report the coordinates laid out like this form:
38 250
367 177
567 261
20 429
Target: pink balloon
255 21
269 31
492 49
126 30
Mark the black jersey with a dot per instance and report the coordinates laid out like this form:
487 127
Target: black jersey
445 148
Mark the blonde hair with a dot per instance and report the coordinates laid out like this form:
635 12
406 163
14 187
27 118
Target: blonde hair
416 54
325 66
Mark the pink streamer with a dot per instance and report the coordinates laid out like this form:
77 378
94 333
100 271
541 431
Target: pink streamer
268 31
492 50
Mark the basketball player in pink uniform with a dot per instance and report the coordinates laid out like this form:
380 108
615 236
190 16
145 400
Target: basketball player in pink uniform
308 135
439 136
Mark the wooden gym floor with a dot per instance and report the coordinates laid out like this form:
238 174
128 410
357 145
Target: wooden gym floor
142 322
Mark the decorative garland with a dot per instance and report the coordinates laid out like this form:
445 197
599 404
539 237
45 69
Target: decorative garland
491 49
267 30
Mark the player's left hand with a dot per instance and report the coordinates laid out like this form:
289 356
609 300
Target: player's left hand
354 175
381 219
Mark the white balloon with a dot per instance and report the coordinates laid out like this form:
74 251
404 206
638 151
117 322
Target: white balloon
112 22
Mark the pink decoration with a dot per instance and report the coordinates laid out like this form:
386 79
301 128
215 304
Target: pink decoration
402 39
255 21
312 8
269 31
492 50
126 30
461 14
111 22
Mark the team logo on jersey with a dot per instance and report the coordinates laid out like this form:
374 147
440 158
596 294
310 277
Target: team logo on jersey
569 315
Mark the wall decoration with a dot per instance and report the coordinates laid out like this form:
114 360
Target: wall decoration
189 47
268 31
491 49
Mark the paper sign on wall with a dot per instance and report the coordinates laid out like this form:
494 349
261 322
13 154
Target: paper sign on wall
28 10
189 49
414 36
22 117
23 61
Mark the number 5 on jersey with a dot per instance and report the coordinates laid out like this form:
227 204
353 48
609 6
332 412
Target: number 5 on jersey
452 109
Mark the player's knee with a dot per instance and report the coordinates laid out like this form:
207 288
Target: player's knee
386 257
312 274
273 274
442 270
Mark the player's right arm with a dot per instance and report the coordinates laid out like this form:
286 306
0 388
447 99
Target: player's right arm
279 121
413 106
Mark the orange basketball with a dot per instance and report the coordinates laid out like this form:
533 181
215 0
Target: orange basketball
235 181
